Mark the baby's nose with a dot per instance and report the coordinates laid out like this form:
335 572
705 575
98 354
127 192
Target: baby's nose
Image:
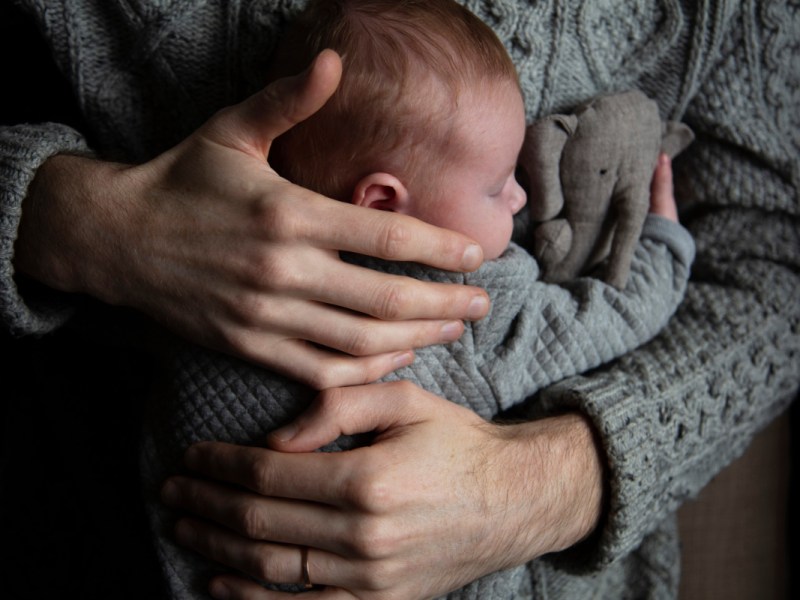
518 198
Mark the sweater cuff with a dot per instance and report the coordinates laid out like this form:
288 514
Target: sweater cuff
622 429
673 235
23 149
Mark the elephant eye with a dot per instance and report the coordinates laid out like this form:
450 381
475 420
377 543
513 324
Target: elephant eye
603 171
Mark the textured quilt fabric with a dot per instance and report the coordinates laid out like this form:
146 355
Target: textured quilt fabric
670 415
535 334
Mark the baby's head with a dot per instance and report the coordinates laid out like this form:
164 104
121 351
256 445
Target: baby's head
427 121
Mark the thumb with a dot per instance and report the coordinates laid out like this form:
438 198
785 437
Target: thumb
254 123
350 410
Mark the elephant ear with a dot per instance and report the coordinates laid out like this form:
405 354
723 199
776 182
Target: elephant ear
675 138
539 162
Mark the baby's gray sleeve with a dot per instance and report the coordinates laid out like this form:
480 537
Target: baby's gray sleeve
561 330
23 149
672 235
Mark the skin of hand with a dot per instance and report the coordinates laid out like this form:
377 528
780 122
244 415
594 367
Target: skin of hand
439 499
662 197
208 240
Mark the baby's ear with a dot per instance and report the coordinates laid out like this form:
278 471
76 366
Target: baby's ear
382 191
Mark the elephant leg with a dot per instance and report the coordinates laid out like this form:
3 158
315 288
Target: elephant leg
552 241
584 236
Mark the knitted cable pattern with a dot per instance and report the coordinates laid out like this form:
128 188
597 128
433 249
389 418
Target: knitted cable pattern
669 416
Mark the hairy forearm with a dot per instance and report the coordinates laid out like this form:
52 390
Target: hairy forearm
548 487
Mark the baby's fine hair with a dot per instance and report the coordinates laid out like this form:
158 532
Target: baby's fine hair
405 65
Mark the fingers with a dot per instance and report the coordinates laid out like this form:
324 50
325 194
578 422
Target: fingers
295 472
266 561
662 198
381 295
262 117
351 332
229 587
315 477
352 410
390 236
393 297
321 369
332 348
259 518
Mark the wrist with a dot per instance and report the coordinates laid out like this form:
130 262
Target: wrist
70 230
554 470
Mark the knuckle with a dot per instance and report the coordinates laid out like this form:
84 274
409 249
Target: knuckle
360 341
370 494
276 216
394 240
252 522
272 270
247 308
260 473
371 539
393 300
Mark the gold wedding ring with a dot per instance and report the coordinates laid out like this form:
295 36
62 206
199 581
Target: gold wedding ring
304 559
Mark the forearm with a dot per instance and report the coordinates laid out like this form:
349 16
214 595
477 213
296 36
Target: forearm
72 226
558 461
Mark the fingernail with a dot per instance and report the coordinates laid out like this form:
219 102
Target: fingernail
472 258
403 359
285 433
451 331
478 308
664 159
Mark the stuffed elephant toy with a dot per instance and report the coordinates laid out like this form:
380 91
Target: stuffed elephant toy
589 177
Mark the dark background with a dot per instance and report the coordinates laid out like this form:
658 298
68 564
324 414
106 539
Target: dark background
71 522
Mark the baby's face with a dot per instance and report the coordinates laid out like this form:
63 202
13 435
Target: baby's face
479 194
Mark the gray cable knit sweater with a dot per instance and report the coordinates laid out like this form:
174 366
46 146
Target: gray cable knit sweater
671 414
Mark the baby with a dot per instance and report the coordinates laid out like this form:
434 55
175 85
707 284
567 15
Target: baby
428 121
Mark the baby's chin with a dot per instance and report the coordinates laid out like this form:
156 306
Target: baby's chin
493 253
496 247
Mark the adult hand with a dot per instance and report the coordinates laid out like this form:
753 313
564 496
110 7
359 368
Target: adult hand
439 499
210 241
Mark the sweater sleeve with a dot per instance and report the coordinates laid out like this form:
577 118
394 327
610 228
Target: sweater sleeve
27 308
674 413
556 331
